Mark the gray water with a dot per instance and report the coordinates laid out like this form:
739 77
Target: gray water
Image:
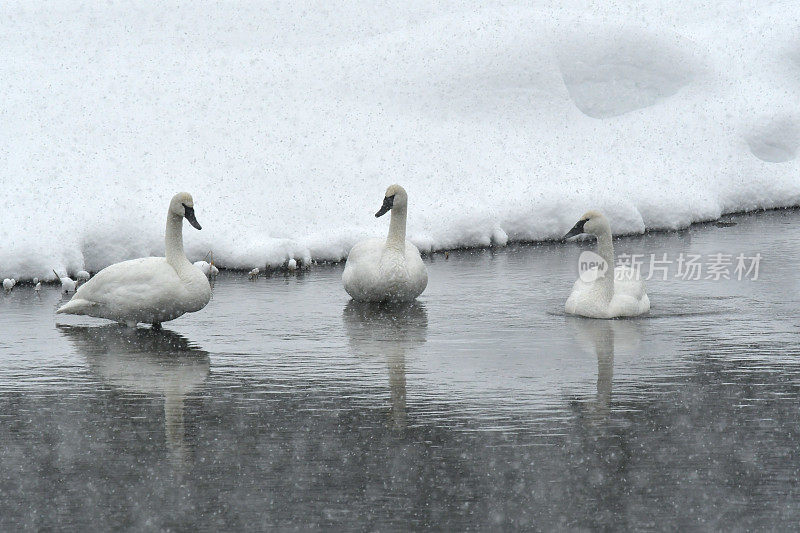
282 405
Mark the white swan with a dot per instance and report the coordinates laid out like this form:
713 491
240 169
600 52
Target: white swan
150 289
208 269
607 296
380 270
67 283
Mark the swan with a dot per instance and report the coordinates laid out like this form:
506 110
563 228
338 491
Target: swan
149 289
82 275
622 294
9 283
380 270
253 274
208 269
68 284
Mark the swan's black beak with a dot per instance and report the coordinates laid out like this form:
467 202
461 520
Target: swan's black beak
189 214
388 202
577 229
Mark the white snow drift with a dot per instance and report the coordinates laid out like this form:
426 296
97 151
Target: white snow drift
506 121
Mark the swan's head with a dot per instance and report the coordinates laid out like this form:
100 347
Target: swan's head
395 197
182 205
593 222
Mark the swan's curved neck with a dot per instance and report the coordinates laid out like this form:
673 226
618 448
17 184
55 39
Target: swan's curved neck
605 249
397 229
173 241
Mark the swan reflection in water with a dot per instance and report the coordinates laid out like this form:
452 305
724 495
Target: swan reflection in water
388 331
147 361
600 338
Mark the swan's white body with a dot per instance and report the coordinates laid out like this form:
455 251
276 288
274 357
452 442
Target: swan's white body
67 284
628 298
9 283
379 270
150 289
207 268
82 275
620 295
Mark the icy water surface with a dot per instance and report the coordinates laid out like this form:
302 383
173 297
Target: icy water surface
281 405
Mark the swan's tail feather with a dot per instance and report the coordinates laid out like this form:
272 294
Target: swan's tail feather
76 306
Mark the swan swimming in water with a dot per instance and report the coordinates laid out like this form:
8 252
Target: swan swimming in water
389 270
607 296
150 289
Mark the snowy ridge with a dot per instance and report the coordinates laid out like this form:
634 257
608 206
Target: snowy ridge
287 121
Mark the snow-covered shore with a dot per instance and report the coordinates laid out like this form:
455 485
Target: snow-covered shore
286 122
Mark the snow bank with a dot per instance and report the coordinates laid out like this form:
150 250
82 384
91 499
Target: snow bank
287 121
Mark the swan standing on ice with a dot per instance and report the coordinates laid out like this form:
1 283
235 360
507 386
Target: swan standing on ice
380 270
150 289
606 296
9 283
